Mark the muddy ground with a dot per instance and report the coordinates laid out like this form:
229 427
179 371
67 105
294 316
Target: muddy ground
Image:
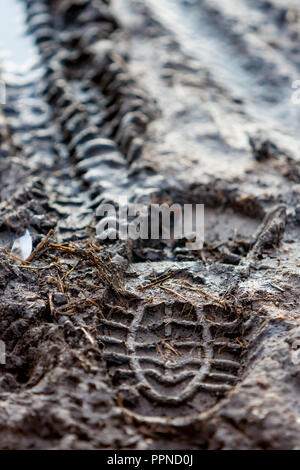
146 344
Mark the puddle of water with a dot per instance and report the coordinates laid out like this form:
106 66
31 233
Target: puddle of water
16 48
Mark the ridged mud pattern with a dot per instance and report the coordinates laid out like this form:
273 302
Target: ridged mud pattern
104 120
170 358
126 108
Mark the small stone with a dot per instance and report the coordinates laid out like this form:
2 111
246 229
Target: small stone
59 298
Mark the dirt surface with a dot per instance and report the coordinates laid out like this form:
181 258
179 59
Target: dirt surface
145 344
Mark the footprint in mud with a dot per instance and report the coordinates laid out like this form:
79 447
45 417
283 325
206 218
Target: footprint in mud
172 361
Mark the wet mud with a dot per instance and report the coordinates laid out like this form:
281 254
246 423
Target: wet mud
146 344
